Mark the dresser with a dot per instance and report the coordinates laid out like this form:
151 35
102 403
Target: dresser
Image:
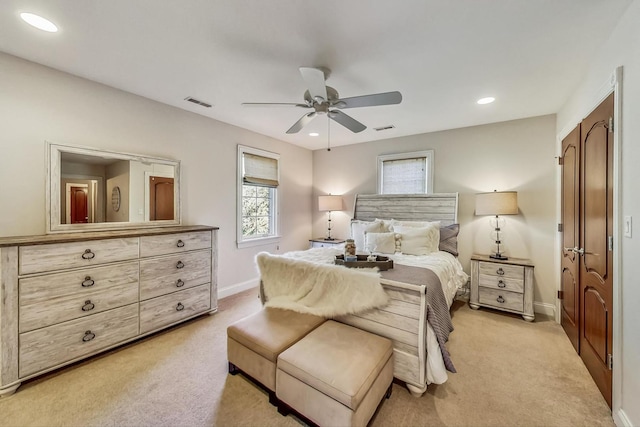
65 297
502 284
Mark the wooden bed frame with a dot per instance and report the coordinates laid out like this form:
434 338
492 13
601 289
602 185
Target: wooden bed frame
403 320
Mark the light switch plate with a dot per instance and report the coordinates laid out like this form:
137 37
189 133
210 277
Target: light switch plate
627 226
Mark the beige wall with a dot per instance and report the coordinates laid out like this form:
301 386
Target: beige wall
38 104
516 155
622 49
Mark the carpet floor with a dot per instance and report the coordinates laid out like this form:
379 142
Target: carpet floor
510 373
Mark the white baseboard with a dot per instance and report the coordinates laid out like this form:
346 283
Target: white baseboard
620 419
544 308
237 288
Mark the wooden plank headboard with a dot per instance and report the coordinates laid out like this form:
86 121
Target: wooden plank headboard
441 207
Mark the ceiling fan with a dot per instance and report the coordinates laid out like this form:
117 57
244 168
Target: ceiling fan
324 99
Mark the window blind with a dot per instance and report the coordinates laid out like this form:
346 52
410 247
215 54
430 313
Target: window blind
259 170
404 176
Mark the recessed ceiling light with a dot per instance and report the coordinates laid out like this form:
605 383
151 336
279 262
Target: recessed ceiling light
314 134
39 22
487 100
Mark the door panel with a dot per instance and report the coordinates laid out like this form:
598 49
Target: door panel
79 208
570 302
596 225
161 198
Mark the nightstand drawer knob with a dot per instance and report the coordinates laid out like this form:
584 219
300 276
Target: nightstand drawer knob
501 284
500 272
500 299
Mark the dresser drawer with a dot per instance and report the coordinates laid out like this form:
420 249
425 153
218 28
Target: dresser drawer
502 270
51 346
172 273
62 256
501 299
501 282
161 311
174 243
58 297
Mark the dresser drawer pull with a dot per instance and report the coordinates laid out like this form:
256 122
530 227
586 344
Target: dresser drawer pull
88 336
88 282
500 299
501 284
180 244
180 264
88 254
179 283
88 305
179 307
500 272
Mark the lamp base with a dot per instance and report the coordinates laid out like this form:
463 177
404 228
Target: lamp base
498 256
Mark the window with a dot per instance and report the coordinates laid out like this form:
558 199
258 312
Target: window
406 173
258 177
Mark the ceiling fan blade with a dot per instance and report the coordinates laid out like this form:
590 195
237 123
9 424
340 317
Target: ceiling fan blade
304 120
314 78
387 98
347 121
274 104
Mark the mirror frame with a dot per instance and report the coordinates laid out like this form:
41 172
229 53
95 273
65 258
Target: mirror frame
53 195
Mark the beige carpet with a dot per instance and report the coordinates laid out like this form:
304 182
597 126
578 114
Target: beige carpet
510 373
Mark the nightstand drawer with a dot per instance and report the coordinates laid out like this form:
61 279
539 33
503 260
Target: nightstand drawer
501 299
501 270
501 283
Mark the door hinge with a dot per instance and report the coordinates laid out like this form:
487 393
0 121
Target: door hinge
559 228
610 361
610 243
560 161
610 124
560 294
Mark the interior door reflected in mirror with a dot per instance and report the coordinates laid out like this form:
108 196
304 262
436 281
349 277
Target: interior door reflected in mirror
91 189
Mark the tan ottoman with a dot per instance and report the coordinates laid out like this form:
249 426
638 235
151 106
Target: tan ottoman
254 343
335 376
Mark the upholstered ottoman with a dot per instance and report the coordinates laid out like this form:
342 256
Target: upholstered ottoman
254 343
337 375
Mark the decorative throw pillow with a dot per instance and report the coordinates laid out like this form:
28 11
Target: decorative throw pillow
418 241
449 239
386 224
383 243
358 228
412 224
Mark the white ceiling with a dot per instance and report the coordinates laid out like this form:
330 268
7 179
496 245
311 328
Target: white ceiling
442 55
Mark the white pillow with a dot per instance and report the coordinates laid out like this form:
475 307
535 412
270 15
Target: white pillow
418 241
412 224
386 224
384 243
358 228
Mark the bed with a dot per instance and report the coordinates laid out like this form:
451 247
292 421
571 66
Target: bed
420 356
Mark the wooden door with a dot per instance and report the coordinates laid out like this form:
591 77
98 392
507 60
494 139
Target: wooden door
596 234
78 205
570 262
160 198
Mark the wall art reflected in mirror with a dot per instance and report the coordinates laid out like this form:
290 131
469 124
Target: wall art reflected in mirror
90 189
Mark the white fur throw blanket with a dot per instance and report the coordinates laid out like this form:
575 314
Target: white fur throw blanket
322 289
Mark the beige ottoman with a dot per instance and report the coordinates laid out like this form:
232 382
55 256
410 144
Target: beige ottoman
335 376
254 343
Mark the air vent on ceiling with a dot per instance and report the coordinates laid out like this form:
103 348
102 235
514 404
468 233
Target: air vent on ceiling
197 101
384 128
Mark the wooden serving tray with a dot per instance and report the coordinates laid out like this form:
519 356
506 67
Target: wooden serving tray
383 263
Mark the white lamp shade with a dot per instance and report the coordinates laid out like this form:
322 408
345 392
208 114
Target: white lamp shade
329 203
497 203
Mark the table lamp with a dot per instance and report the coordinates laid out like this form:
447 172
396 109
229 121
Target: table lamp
329 203
497 203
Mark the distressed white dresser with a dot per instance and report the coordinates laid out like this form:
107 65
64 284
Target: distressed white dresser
65 297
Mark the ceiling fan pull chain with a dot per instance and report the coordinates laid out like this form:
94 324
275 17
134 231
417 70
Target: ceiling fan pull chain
328 132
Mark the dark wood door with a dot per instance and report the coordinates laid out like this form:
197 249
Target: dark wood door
569 279
160 198
596 232
79 208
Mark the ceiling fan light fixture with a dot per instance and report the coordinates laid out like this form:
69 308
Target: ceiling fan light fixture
39 22
486 100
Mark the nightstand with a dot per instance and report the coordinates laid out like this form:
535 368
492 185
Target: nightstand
321 242
502 284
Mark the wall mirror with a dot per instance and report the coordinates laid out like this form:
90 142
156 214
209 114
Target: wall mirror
90 189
